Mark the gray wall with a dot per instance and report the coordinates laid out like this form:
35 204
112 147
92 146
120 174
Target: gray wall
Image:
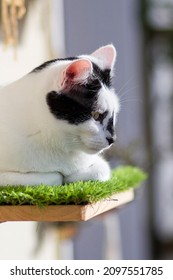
88 25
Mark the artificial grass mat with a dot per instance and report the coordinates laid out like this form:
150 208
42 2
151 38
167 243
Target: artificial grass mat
78 193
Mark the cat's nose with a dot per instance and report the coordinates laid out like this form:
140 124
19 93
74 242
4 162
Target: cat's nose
110 140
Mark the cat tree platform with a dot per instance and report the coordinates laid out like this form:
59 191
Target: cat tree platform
54 213
78 201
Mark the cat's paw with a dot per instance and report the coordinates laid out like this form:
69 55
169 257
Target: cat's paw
99 170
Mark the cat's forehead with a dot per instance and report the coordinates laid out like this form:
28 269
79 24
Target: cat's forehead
107 100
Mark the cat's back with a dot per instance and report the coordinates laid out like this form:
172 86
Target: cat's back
15 121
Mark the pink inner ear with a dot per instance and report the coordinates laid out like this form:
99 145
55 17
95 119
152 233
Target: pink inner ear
79 70
107 54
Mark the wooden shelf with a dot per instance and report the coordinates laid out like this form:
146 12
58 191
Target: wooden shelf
64 212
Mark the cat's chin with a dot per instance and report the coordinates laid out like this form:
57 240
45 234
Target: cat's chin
92 146
94 150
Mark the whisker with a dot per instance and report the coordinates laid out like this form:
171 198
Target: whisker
137 99
125 85
128 90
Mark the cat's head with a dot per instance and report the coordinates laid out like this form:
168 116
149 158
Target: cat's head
83 100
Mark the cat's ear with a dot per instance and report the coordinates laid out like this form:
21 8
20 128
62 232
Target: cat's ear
107 55
77 72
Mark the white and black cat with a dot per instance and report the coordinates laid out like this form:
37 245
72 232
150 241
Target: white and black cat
55 121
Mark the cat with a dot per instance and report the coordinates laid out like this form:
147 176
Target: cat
56 120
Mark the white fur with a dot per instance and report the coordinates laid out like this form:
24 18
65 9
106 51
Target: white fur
37 148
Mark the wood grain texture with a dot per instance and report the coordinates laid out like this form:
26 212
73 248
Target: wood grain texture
64 212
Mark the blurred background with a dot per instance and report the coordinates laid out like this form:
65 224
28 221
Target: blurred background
142 32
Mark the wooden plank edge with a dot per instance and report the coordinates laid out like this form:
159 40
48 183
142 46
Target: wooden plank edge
50 213
64 212
115 201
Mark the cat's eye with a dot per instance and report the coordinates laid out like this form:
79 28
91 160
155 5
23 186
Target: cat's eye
95 115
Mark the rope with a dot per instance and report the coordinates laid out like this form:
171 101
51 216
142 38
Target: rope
12 11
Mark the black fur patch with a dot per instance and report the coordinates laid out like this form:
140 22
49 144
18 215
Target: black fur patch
70 107
110 126
47 63
103 75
